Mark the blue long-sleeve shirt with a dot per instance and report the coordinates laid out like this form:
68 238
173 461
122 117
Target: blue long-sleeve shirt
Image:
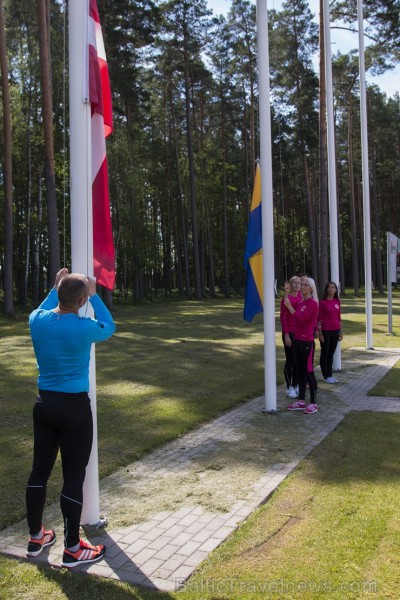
62 343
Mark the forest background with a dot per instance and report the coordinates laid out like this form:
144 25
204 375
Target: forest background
185 141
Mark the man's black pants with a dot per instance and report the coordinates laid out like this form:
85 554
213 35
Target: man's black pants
61 422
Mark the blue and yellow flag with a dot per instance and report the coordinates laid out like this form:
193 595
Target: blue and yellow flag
253 303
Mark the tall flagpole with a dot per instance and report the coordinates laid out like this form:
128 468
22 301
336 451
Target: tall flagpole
267 213
389 282
81 213
333 212
365 181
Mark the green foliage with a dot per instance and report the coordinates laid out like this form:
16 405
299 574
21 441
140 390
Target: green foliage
382 26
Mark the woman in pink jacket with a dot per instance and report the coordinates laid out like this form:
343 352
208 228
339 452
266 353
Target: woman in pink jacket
287 324
329 329
305 325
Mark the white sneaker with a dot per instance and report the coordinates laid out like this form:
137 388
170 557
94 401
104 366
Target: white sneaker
329 380
335 380
291 393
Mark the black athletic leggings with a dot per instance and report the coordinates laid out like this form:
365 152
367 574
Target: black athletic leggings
328 347
60 422
304 361
289 370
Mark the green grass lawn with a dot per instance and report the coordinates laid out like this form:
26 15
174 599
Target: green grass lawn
169 367
389 385
332 529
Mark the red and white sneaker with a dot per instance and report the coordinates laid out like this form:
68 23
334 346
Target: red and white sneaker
310 409
85 554
299 405
35 546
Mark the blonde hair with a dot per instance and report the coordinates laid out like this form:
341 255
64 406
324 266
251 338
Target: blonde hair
313 287
293 278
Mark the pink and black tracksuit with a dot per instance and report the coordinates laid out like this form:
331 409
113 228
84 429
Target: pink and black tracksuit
287 323
305 325
330 318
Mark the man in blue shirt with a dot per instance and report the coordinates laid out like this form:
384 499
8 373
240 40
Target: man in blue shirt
62 416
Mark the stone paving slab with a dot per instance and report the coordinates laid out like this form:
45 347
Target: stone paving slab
163 549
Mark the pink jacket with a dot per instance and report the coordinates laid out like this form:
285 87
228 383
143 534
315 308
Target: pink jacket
329 314
287 321
305 320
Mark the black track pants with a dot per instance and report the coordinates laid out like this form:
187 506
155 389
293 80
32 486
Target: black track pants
289 369
304 361
60 422
328 347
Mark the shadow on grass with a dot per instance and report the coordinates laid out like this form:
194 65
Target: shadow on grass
163 372
74 586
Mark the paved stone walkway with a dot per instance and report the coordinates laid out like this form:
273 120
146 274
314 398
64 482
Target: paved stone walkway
241 456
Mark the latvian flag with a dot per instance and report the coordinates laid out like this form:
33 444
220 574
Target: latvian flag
100 101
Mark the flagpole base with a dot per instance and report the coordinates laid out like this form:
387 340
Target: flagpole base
102 522
273 411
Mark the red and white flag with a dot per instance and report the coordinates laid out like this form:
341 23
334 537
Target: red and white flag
100 102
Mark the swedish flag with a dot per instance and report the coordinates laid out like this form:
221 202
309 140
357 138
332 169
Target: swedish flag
253 302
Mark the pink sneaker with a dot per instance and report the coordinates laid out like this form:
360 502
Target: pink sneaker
310 409
299 405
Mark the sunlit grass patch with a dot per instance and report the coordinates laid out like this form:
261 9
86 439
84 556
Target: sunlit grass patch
327 530
389 385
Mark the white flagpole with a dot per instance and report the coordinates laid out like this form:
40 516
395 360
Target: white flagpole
389 281
267 213
365 181
81 213
333 224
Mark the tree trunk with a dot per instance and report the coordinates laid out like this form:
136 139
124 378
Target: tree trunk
252 113
210 257
342 276
225 200
106 295
29 211
248 168
181 212
193 203
311 220
36 267
379 277
49 171
8 185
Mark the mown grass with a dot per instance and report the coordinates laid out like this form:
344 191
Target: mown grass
389 385
168 368
331 530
